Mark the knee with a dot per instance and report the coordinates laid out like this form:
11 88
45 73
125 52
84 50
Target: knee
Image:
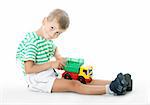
75 84
78 87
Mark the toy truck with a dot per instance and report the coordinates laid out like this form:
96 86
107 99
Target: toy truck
74 69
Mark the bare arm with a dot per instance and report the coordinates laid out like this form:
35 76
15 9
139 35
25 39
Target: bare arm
59 58
57 54
31 67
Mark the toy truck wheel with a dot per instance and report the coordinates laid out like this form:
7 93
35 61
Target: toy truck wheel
82 79
67 76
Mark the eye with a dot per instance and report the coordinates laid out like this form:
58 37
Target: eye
52 28
57 33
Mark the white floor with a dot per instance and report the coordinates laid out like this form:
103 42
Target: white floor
19 94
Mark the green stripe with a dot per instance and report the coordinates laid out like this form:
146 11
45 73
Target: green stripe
42 61
31 48
41 41
21 45
30 44
30 52
41 57
36 37
31 55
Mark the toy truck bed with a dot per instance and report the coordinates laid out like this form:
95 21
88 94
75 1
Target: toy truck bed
73 65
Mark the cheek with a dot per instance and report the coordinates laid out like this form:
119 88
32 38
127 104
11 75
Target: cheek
51 34
48 32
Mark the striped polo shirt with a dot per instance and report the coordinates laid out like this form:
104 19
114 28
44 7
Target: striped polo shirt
34 47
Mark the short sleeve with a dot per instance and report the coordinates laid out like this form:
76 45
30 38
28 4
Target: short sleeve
54 46
30 52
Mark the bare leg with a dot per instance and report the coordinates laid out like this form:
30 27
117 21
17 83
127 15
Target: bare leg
100 82
63 85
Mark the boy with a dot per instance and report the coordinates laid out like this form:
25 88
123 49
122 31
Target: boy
35 53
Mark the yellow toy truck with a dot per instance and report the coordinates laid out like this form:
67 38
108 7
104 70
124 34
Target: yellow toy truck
74 69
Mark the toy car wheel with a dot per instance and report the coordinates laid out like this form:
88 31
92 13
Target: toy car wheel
82 79
67 76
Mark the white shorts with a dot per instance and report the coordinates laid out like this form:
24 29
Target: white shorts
41 82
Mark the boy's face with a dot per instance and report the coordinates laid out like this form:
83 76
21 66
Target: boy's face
51 29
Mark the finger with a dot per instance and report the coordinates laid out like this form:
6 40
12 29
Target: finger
62 63
63 60
60 66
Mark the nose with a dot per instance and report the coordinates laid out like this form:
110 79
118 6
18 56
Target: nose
54 36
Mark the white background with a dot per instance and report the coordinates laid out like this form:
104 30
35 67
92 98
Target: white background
113 36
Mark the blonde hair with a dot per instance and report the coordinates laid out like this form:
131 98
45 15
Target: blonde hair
61 16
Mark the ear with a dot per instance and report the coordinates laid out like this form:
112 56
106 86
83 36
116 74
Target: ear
44 20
